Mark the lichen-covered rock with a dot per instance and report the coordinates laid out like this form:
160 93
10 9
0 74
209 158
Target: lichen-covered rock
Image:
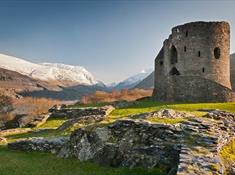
227 118
128 143
39 144
190 147
24 120
80 112
85 117
2 125
231 170
81 120
163 113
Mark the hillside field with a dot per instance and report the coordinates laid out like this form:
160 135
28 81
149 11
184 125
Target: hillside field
21 163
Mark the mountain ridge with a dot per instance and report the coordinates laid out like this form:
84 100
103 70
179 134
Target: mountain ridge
48 71
133 80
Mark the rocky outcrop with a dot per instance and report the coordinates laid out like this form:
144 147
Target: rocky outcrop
200 148
39 144
2 125
8 132
128 143
162 114
24 120
231 170
58 111
189 147
83 115
84 120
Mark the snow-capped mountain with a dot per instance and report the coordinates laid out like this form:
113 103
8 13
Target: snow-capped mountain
133 80
48 71
111 85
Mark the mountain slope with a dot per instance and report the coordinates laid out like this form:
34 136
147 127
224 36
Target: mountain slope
48 71
133 80
52 80
148 82
14 80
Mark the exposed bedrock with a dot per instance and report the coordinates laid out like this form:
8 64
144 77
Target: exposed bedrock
63 111
189 147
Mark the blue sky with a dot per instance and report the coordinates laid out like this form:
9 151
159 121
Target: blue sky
112 39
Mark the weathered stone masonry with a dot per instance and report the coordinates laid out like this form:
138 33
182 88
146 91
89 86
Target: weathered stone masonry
194 64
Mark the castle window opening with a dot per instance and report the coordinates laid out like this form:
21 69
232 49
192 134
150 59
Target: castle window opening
174 71
174 55
186 33
199 54
161 62
185 49
203 69
217 52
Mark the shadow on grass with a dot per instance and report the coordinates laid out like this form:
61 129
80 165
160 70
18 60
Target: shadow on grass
33 163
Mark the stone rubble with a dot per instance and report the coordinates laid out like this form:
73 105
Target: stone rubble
39 144
187 148
231 170
162 113
80 112
24 120
87 116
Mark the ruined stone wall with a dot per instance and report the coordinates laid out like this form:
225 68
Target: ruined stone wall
200 50
193 89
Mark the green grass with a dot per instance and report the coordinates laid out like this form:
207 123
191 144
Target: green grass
21 163
228 152
49 133
53 123
150 106
99 104
140 107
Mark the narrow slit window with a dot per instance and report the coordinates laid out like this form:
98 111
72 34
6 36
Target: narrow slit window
174 55
199 54
203 69
186 33
217 52
185 49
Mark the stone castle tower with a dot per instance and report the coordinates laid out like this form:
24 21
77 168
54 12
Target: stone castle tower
194 64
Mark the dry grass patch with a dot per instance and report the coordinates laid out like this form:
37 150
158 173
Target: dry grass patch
34 106
115 95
